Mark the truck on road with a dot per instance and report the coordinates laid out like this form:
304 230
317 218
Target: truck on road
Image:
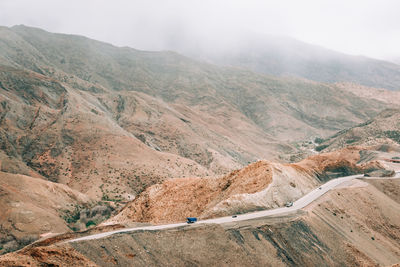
191 219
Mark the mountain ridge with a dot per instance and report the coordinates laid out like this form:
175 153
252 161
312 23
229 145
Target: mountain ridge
286 56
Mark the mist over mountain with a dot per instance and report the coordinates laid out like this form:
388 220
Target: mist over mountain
199 133
396 60
285 56
91 126
220 118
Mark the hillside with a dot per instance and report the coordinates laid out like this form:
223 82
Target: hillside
68 136
331 232
261 185
31 207
355 225
110 121
284 56
382 129
91 126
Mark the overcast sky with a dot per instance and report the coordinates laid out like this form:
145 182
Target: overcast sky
360 27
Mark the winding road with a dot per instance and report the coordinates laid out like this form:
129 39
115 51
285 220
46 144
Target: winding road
297 205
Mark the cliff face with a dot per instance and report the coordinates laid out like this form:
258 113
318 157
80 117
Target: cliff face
260 185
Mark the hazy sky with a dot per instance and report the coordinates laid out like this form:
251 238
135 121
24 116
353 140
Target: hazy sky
364 27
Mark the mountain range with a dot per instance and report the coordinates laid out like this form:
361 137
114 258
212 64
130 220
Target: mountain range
93 128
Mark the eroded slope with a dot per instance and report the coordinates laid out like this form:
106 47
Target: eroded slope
355 225
382 129
260 185
31 207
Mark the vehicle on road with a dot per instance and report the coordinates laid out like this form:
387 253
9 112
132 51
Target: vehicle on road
320 188
289 204
234 216
191 219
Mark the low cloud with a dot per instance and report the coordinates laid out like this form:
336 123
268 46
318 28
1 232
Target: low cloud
365 27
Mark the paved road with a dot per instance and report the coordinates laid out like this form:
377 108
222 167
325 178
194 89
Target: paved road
299 204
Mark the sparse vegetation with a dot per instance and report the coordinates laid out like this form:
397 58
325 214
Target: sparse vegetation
180 109
321 147
90 223
394 135
72 216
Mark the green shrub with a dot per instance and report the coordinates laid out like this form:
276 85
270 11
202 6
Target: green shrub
90 223
73 216
321 147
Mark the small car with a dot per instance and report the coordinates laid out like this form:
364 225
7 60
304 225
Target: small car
320 188
234 216
289 204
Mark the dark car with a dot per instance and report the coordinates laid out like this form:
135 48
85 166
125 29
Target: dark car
234 216
289 204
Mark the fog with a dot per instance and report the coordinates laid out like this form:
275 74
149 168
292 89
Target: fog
359 27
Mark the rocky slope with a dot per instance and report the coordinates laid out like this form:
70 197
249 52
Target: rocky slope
31 207
356 225
110 121
353 226
260 185
86 117
382 129
380 94
65 136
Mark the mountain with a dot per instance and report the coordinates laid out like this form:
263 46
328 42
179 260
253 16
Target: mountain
284 56
110 121
78 116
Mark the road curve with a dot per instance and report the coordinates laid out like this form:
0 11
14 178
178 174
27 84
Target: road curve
298 204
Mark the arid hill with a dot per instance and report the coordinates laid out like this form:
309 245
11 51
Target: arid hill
83 123
260 185
355 225
110 121
382 129
61 134
31 207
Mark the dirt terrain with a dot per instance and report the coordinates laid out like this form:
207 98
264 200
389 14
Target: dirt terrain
31 207
90 115
382 129
86 127
260 185
355 225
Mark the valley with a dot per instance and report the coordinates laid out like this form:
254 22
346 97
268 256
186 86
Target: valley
106 150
